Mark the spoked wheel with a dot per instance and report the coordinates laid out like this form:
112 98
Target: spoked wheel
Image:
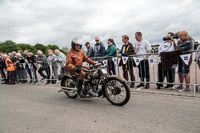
117 92
70 89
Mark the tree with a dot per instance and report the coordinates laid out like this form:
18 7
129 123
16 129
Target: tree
8 46
52 47
42 47
27 47
64 50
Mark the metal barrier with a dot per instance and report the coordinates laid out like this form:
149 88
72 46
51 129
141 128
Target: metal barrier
35 72
153 61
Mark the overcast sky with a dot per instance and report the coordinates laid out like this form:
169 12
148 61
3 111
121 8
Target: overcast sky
58 21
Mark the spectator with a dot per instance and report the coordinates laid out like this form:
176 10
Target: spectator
54 66
20 52
99 48
2 67
111 51
185 44
42 60
26 65
90 51
126 50
20 68
198 56
61 59
143 47
14 59
31 67
25 53
10 69
166 46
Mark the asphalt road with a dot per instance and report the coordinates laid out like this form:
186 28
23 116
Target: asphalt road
40 109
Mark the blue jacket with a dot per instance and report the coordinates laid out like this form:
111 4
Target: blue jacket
99 50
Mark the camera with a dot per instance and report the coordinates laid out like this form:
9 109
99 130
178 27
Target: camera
166 38
176 36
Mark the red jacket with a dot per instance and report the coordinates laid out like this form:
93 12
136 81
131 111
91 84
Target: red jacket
76 58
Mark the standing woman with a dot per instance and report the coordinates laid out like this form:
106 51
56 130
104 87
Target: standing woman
111 51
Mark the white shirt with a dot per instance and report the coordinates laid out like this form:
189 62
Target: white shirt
142 47
166 47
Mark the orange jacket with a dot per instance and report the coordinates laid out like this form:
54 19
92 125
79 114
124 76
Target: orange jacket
76 58
10 66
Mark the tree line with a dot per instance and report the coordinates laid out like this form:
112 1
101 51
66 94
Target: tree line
9 46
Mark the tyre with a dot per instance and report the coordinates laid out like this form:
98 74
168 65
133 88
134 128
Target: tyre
117 92
69 83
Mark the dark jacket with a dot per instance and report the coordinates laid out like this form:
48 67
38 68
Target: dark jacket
13 59
127 50
99 50
169 58
44 59
20 62
90 52
186 45
2 63
32 60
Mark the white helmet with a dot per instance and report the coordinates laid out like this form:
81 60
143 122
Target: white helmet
76 41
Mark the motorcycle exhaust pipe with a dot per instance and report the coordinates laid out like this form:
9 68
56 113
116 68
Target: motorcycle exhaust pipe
68 88
64 89
90 92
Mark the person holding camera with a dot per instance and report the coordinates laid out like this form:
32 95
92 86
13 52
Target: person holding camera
166 46
185 45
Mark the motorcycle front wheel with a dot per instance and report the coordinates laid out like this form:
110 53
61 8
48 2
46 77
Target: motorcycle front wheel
117 92
70 89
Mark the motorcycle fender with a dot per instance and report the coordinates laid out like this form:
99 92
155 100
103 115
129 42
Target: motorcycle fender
112 77
116 77
64 77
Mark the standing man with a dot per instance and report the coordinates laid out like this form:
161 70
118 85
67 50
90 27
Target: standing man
41 59
99 48
185 44
90 51
166 46
2 67
61 59
127 49
10 69
54 66
143 47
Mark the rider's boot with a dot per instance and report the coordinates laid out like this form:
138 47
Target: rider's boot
79 91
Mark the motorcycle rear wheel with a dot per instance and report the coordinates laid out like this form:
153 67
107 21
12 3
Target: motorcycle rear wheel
117 92
68 82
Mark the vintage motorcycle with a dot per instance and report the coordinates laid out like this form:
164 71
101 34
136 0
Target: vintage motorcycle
98 83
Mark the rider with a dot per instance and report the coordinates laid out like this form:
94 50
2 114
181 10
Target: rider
75 58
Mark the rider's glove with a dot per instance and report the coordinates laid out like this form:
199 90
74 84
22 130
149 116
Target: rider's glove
91 67
77 69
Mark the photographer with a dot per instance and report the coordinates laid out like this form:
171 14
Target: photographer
166 46
184 44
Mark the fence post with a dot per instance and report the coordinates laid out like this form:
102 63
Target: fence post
194 90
